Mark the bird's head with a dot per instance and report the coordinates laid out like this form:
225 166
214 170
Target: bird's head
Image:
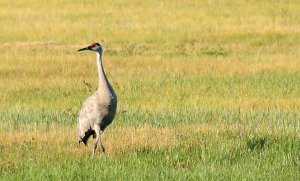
96 47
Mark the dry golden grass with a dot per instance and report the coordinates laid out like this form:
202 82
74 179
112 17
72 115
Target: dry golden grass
216 78
126 139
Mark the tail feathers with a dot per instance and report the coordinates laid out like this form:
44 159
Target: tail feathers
87 135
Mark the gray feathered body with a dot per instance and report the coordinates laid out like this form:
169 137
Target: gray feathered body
99 109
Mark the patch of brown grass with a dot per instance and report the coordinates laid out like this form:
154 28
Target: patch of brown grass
63 139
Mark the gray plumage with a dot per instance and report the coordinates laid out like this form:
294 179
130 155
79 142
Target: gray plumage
99 110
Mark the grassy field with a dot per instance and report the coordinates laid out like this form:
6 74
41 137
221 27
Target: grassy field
208 90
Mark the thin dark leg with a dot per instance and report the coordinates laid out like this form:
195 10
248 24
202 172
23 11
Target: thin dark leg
102 147
95 145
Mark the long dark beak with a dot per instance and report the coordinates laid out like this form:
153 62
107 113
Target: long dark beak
82 49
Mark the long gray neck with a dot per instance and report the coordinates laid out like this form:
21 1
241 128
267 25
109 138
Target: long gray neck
103 82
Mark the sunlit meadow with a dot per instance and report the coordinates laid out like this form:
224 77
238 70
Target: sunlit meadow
207 90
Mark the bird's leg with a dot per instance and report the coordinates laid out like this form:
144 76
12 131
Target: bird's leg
103 149
97 140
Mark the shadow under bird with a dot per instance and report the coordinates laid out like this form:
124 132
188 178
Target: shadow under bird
99 110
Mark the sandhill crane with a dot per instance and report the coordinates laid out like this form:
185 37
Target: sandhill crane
99 110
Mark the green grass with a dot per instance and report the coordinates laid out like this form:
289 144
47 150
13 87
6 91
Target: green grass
178 163
207 90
